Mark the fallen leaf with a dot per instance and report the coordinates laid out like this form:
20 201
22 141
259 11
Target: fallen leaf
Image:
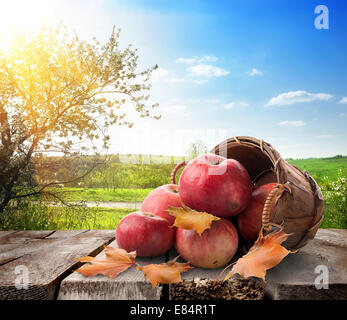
190 219
266 253
168 272
117 260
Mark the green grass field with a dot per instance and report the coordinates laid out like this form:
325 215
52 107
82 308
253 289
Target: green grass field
42 217
322 167
105 195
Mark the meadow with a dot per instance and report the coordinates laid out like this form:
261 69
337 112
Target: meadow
322 167
105 194
128 182
40 216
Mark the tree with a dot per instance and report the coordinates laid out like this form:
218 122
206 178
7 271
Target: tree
196 148
58 96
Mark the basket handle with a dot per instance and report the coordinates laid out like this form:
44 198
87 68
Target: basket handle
271 200
175 170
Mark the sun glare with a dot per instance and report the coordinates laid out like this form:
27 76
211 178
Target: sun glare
25 15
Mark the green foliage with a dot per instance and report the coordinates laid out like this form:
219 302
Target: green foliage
196 148
100 194
28 215
335 195
121 176
329 174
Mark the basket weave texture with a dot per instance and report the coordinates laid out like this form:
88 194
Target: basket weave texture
301 211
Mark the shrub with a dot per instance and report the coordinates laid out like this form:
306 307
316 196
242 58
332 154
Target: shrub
335 195
37 215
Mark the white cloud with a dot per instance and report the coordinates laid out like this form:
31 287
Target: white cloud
174 100
207 70
298 123
343 100
292 97
174 109
186 60
187 80
200 81
255 72
175 80
326 136
211 101
236 104
197 59
242 104
341 115
158 74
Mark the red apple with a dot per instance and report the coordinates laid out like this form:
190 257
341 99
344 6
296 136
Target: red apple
216 185
145 233
213 249
250 220
159 200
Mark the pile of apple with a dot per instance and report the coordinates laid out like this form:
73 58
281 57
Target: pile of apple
209 183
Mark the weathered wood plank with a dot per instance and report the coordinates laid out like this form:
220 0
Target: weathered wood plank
65 233
21 236
6 233
294 277
49 264
129 285
15 247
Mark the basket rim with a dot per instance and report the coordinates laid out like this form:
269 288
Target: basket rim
266 148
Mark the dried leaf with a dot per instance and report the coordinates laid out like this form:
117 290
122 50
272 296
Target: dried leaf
117 260
190 219
169 272
266 253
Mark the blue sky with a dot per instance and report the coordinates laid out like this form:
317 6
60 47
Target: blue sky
226 68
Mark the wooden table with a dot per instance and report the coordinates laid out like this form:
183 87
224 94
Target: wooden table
46 260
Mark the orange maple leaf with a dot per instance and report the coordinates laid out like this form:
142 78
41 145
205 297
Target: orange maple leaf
117 260
266 253
168 272
190 219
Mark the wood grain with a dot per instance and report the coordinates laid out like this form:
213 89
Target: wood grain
48 257
129 285
14 246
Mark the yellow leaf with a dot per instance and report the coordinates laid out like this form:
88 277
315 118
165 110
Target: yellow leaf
117 260
190 219
168 272
266 253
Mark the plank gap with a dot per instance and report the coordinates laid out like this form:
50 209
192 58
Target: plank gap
47 235
76 266
10 260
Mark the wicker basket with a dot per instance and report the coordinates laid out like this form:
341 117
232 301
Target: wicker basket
301 210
